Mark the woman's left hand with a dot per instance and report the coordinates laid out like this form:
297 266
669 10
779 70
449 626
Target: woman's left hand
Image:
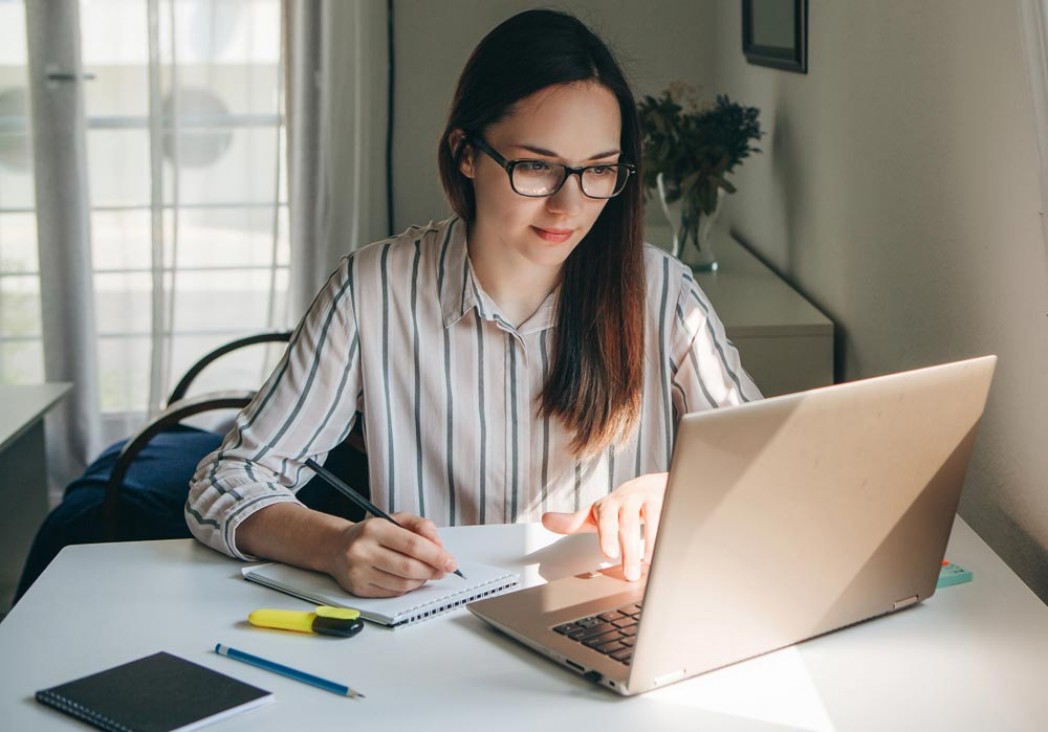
617 519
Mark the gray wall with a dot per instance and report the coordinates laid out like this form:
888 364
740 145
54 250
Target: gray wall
898 189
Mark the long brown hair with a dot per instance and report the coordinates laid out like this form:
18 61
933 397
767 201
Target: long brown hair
597 364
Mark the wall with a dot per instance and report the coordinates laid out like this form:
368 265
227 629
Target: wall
898 189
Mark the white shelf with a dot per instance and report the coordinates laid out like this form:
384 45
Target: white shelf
24 405
23 474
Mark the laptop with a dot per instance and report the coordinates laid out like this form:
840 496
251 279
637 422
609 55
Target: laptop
783 519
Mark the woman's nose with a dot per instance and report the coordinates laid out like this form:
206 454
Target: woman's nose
569 198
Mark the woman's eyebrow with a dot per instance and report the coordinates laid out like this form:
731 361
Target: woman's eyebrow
550 154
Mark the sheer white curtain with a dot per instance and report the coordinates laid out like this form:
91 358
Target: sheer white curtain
307 172
21 348
63 233
160 204
337 121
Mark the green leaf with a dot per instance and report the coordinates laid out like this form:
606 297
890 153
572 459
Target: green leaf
699 146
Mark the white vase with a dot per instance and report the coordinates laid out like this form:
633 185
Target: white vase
692 243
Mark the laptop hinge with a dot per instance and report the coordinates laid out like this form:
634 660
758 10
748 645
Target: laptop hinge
905 602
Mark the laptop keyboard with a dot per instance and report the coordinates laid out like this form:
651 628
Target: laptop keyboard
611 633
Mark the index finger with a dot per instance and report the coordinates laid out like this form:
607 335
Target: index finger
629 538
651 513
420 525
407 539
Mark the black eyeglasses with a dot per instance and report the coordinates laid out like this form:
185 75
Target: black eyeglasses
542 178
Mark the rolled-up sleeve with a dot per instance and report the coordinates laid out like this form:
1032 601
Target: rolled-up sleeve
707 370
305 408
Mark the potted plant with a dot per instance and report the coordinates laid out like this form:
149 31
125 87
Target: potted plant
689 150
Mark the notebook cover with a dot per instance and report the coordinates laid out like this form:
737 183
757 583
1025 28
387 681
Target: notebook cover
158 693
433 598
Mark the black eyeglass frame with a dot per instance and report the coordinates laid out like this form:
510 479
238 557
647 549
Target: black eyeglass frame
508 165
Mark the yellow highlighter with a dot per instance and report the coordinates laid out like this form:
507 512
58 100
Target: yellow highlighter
325 620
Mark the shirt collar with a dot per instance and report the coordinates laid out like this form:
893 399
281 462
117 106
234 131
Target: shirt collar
455 286
460 290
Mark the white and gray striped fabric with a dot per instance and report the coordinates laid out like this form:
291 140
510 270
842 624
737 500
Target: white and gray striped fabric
404 334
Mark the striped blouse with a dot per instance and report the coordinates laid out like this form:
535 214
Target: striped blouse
404 334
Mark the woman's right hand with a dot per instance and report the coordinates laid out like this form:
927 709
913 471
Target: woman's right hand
377 558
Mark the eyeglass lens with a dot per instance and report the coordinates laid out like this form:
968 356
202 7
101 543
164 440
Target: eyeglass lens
539 178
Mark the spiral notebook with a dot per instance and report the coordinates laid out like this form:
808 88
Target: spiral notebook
157 693
433 598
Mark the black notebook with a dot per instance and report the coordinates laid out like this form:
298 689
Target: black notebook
158 693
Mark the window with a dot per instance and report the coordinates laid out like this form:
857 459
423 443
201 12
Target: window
21 350
188 195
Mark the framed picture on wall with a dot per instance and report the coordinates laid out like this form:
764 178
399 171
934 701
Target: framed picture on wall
775 33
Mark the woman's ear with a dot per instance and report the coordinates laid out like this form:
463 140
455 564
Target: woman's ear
464 155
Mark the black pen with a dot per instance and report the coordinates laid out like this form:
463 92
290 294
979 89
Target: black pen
335 482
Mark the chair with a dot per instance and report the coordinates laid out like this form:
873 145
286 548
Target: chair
136 489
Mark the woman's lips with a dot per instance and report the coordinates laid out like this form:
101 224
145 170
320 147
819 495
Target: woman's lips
554 236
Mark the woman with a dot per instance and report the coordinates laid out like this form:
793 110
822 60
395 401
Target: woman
527 358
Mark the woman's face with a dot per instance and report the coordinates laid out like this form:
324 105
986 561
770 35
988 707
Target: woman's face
574 124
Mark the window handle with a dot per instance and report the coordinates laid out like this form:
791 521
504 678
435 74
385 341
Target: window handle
55 75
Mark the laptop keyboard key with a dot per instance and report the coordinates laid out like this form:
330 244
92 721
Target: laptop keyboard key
611 632
599 640
594 630
610 647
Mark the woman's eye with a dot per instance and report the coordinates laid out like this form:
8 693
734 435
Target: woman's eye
533 166
601 170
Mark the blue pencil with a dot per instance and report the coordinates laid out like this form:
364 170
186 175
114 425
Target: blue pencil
291 673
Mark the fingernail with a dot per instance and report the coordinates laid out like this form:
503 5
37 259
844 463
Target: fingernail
449 566
611 551
633 573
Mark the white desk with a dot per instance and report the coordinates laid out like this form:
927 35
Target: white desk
974 656
23 474
785 342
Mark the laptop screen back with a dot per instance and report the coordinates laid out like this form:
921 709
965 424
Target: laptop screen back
794 516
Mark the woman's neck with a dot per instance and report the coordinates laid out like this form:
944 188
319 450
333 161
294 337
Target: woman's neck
517 285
